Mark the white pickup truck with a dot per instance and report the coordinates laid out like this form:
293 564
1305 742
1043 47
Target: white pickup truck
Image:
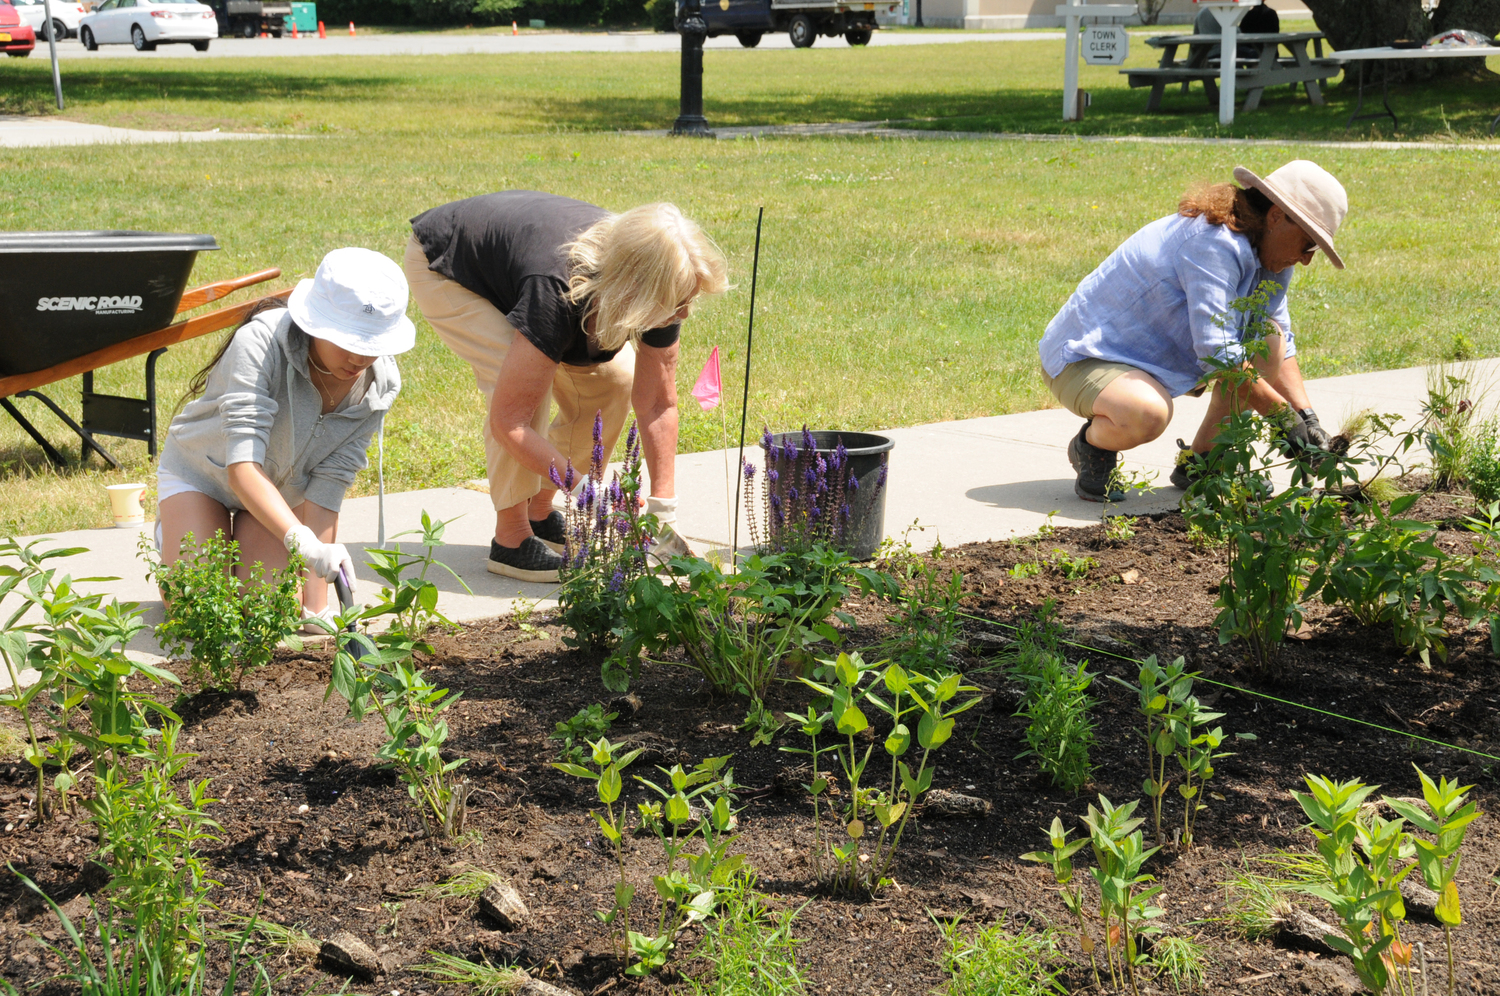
749 20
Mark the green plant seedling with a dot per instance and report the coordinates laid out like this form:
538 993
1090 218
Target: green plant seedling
1059 731
606 776
1125 892
1447 821
1354 889
576 733
1060 861
1182 960
761 724
1026 569
411 600
1073 568
750 946
482 978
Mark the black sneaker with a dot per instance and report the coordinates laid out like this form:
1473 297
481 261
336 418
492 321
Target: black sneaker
1095 467
1188 469
553 530
531 561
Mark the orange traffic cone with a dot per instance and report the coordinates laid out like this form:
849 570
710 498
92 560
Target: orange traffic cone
294 30
513 30
321 33
351 29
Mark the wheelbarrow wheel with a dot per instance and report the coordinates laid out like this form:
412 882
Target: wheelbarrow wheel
138 39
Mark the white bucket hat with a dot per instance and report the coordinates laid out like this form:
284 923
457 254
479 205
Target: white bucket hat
357 301
1310 195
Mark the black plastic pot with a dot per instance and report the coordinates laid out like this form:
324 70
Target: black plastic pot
66 294
867 454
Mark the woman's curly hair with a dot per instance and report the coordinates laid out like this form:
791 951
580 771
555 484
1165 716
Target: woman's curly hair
1242 209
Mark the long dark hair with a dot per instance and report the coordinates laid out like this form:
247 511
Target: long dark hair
199 382
1241 209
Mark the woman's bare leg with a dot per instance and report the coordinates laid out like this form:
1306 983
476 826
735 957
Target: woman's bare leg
257 545
190 512
1133 409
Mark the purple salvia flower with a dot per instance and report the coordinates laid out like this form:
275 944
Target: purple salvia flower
623 525
780 516
586 500
749 471
853 483
617 582
554 476
844 511
789 449
776 503
598 454
812 513
766 442
840 455
570 477
880 481
808 443
630 437
616 494
791 493
810 476
773 475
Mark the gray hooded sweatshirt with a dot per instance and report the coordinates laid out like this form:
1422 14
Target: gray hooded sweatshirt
260 406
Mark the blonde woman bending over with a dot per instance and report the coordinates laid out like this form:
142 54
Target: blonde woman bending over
551 299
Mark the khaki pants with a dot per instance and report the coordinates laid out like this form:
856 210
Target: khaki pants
476 330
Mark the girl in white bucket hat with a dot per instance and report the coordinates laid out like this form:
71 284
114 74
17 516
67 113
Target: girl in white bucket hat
280 421
1140 329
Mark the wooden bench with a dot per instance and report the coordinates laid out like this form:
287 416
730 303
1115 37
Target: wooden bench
129 418
1252 73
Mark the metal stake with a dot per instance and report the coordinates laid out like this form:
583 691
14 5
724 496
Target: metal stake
739 475
52 47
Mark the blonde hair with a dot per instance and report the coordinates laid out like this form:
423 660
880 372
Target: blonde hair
633 271
1240 209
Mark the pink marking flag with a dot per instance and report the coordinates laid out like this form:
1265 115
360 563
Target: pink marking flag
710 387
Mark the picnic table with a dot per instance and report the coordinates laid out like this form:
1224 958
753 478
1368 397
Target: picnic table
128 418
1384 55
1304 64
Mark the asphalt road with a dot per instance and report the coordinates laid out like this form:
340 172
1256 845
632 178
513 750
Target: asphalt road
499 44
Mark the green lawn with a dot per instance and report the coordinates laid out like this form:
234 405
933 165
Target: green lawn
902 282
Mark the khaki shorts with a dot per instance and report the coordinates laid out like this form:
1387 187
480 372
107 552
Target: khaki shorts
1079 384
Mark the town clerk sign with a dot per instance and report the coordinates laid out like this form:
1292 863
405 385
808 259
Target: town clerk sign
1105 44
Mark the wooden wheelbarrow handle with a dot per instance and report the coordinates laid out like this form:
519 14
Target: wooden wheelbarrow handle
199 296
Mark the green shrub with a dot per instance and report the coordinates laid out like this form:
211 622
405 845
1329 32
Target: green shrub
990 961
227 629
1482 469
750 947
583 728
1060 731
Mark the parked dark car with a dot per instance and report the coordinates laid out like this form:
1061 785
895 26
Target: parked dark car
17 40
750 20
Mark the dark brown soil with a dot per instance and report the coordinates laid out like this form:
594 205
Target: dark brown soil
330 840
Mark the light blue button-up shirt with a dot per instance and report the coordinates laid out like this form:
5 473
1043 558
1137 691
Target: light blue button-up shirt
1152 303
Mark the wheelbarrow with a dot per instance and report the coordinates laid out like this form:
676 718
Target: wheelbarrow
72 302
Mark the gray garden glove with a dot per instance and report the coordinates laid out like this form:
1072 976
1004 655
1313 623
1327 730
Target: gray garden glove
323 559
669 543
1316 434
1291 427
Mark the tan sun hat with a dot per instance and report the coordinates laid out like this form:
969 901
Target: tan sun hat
1310 195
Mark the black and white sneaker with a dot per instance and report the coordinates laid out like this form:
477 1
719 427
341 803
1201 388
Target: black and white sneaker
1095 467
531 561
553 530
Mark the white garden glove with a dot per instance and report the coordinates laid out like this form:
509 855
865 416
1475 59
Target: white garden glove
669 542
324 559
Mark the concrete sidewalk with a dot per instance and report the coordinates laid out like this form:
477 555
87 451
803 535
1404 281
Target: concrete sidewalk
18 131
967 481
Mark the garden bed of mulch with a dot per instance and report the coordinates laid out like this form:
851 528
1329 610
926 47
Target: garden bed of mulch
311 824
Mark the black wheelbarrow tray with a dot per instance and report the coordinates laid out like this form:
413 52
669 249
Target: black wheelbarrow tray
72 302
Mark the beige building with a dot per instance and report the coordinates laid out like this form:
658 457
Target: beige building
980 14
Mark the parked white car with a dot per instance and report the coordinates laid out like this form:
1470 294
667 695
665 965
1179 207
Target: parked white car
148 23
65 16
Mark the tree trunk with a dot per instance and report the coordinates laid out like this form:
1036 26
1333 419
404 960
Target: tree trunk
1374 23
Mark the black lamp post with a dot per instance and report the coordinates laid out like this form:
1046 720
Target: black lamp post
919 23
694 29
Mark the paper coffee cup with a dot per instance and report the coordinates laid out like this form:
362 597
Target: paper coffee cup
125 504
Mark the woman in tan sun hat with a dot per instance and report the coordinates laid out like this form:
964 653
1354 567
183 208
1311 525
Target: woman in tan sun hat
1140 329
